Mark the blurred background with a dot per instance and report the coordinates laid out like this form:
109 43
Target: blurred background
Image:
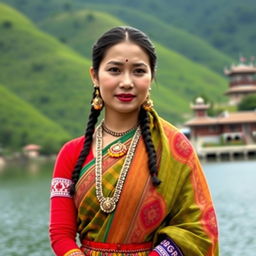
45 90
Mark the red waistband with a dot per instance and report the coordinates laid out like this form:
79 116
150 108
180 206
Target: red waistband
108 247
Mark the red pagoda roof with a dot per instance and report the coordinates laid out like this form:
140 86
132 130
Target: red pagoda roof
240 68
226 118
242 88
201 121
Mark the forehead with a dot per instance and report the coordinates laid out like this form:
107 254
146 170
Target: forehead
126 51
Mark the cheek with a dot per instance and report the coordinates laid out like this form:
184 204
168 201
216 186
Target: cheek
144 84
107 86
106 80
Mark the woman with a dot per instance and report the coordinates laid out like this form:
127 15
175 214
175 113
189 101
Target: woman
132 184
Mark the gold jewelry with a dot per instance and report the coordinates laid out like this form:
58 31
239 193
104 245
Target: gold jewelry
113 133
117 150
108 204
148 104
97 101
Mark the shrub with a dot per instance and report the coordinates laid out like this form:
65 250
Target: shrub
248 103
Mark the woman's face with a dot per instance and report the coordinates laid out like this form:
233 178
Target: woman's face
124 78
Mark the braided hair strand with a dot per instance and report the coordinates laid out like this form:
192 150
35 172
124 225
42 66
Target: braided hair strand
146 135
93 118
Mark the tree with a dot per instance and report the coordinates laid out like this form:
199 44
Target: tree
248 103
67 7
7 24
90 17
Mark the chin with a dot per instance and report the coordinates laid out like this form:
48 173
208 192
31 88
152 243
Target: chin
124 110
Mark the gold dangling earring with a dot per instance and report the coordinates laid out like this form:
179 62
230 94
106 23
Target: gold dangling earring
97 101
148 104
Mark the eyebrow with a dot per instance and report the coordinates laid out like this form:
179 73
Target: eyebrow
119 63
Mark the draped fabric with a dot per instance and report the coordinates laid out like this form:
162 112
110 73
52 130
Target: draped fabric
180 208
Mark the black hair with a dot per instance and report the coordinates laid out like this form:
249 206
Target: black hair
110 38
92 121
120 34
146 135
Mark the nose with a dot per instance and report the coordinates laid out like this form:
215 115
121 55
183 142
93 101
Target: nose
126 81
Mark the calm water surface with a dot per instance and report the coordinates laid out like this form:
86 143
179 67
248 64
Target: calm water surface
233 187
24 207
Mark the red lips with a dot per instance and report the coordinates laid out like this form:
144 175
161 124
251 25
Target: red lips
125 97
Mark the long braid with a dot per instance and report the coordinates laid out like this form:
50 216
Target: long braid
146 135
93 118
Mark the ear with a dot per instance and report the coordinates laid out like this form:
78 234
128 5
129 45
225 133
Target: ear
94 76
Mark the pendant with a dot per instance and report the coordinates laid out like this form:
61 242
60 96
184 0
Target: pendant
107 205
117 150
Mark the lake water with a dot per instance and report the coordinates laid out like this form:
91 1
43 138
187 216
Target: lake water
24 207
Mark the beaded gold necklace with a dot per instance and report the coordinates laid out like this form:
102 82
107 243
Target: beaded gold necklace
108 204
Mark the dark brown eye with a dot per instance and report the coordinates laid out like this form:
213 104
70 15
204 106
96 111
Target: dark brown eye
114 70
139 71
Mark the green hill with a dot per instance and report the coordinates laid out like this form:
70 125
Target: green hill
187 44
55 79
22 124
178 75
79 29
183 80
176 39
228 26
44 72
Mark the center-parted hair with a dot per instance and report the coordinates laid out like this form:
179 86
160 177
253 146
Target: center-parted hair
120 34
110 38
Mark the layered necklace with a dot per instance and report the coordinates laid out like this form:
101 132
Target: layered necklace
108 204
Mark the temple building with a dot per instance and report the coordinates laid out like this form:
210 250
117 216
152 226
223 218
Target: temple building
242 82
230 133
31 150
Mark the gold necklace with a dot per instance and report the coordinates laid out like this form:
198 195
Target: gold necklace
108 204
